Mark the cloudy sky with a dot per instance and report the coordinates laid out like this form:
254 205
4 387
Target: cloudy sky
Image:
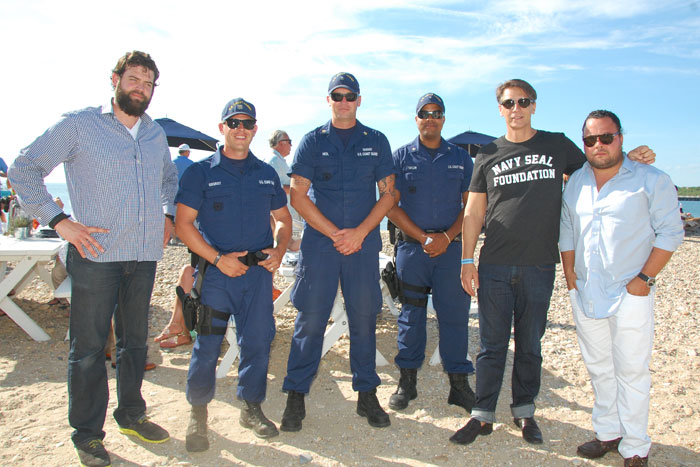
638 58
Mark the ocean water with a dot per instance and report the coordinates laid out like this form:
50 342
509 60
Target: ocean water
61 190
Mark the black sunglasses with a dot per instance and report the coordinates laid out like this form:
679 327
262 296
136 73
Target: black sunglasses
605 138
338 96
523 102
436 114
287 140
234 123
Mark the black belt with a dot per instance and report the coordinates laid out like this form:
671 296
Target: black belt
407 238
254 257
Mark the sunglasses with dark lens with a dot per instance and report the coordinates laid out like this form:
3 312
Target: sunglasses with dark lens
287 140
338 96
436 114
606 138
234 123
523 102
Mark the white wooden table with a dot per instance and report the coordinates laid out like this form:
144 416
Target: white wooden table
31 256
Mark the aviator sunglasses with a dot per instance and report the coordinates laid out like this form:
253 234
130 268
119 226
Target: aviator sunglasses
338 96
436 114
523 102
234 123
605 138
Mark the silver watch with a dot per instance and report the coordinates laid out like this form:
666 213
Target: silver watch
650 281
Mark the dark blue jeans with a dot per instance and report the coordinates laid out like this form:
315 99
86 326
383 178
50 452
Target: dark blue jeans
99 291
517 295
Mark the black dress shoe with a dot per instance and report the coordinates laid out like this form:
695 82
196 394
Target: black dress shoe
468 433
531 432
597 448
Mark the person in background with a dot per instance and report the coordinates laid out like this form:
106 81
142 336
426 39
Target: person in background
281 146
115 242
183 161
431 185
619 228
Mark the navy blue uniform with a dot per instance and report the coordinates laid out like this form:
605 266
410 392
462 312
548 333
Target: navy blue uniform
343 187
431 195
234 200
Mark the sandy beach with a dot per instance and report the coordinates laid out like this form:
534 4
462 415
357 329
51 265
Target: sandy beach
34 427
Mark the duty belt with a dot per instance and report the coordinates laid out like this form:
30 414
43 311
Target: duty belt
254 257
407 238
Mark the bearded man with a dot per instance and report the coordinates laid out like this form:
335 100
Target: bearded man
122 185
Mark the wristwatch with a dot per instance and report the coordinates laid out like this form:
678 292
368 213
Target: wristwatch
650 281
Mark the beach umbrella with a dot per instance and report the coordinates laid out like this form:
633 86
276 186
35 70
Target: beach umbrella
178 134
471 141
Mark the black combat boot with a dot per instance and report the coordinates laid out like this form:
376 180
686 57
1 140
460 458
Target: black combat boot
196 439
461 393
253 417
368 406
294 412
406 391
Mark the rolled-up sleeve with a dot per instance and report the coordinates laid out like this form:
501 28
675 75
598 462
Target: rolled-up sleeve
665 213
566 227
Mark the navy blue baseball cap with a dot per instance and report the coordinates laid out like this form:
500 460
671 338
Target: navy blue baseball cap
430 98
238 106
344 80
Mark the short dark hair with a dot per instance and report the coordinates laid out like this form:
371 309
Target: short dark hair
603 114
516 83
136 58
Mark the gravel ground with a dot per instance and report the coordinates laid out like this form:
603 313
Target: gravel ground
33 403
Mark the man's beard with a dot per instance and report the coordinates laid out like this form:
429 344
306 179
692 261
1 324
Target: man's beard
130 106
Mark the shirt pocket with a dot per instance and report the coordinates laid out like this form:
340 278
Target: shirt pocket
221 200
414 183
327 176
364 170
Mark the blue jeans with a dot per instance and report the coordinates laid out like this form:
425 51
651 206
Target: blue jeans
99 291
517 295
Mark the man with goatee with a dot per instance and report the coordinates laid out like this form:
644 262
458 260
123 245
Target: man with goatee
122 184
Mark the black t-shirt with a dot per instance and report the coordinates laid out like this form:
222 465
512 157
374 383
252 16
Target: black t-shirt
523 185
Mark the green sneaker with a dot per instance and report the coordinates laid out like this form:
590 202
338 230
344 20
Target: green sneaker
93 454
146 430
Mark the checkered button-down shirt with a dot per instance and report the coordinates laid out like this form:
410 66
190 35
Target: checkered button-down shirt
115 181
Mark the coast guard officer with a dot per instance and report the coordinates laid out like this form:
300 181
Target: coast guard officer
432 184
333 175
232 194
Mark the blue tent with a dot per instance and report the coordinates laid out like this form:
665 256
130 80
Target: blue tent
178 134
471 141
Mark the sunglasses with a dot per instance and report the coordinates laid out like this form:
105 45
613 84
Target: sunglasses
234 123
436 114
287 140
338 96
523 102
606 138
